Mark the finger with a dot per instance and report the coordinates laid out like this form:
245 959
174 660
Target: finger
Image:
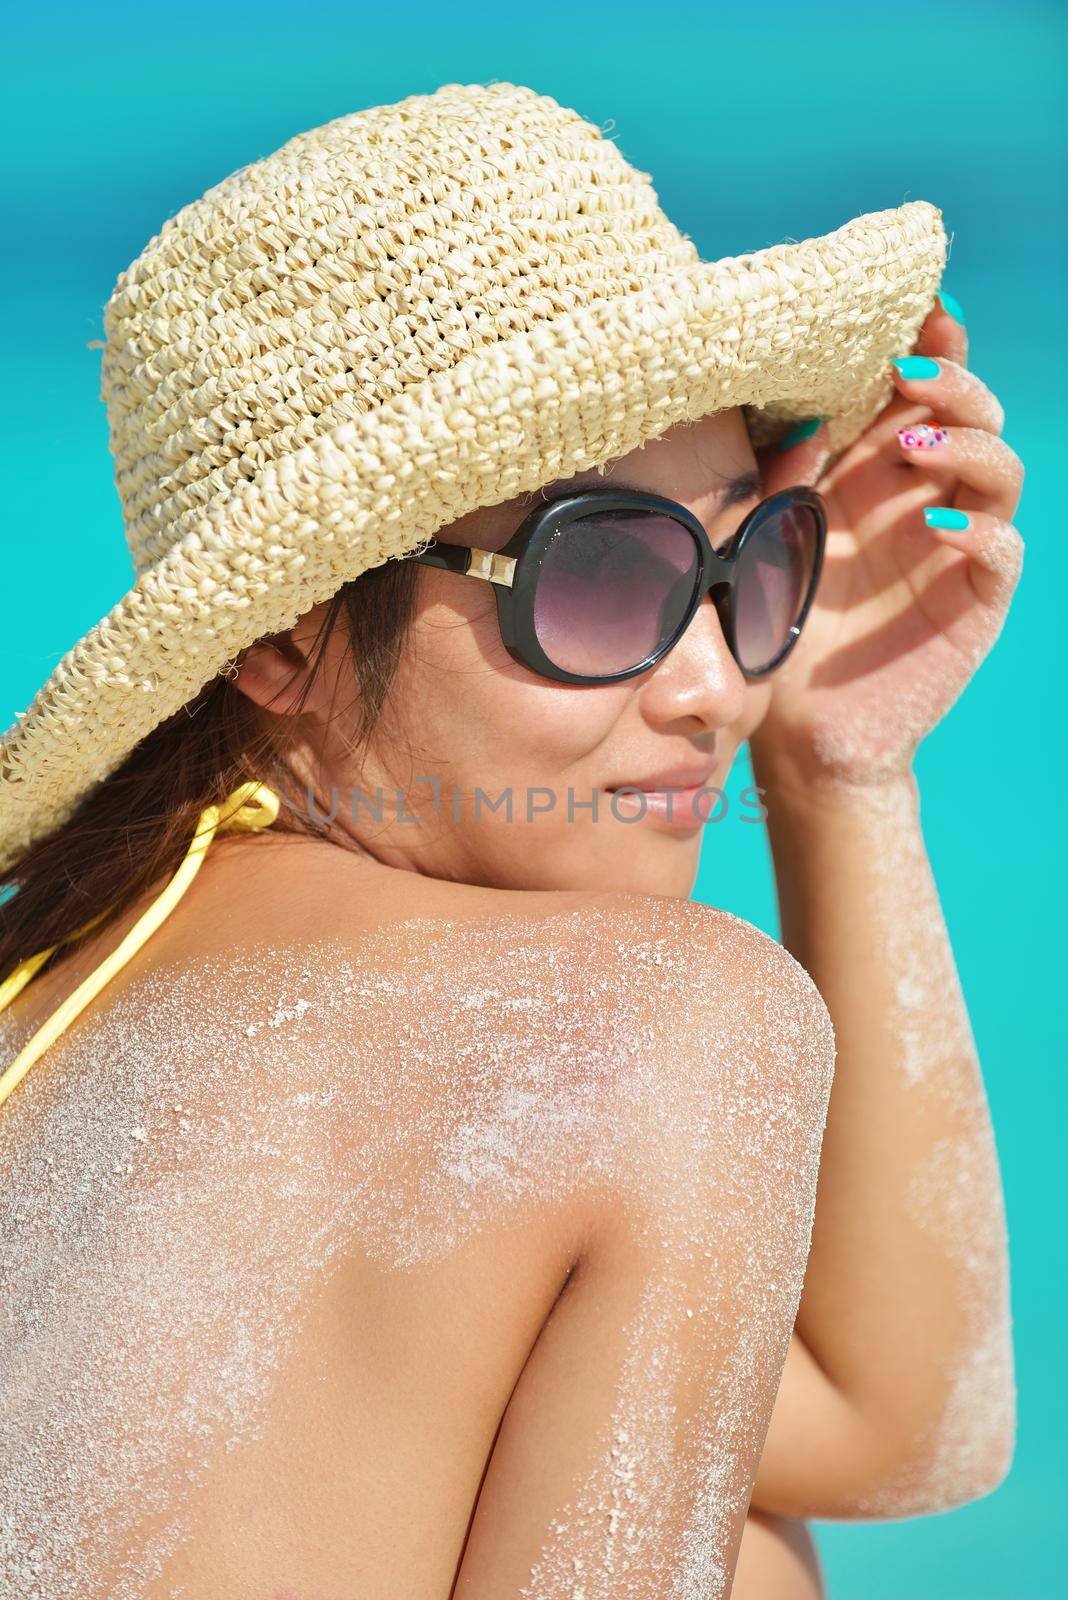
993 546
799 458
943 332
984 465
951 391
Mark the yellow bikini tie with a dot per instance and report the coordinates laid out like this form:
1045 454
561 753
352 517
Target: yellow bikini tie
257 807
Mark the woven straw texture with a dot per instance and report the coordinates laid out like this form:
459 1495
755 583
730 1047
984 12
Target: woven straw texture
413 311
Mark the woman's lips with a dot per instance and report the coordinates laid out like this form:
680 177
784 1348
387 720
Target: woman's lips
674 806
674 778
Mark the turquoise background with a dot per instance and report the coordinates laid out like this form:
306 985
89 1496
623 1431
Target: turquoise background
759 124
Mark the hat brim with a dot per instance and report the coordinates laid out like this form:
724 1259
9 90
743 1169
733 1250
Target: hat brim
793 331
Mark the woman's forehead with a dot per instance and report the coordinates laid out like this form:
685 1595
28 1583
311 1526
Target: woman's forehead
699 458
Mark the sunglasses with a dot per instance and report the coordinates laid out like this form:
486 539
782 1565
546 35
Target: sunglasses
597 587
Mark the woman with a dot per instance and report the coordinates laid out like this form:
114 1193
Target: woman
423 1208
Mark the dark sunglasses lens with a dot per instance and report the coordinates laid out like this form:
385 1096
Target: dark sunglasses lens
774 577
613 587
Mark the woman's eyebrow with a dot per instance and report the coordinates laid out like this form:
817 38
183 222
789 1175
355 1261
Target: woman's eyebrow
734 492
747 486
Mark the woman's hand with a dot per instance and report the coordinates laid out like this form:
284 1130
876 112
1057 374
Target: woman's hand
905 612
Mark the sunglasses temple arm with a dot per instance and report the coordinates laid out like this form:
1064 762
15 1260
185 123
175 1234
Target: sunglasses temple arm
450 557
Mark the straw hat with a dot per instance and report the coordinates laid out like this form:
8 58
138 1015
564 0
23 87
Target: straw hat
413 311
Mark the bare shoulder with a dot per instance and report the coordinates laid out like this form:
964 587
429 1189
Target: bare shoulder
606 1005
602 975
547 1033
457 1052
316 889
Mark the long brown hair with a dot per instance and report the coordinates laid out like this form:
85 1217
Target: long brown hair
136 825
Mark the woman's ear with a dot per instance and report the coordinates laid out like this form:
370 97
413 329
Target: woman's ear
273 672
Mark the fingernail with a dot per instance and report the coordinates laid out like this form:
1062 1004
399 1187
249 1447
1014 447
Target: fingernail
923 436
944 517
951 305
804 430
917 367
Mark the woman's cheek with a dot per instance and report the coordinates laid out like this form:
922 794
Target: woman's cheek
757 701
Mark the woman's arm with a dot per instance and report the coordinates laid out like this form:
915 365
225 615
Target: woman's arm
625 1459
898 1394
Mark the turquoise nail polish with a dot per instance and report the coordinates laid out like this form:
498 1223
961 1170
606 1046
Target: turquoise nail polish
917 367
804 430
952 306
944 517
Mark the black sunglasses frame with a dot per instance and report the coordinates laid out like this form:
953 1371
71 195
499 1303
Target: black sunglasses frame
514 569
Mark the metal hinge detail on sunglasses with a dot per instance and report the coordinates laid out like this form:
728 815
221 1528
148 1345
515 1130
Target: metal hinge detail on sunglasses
492 566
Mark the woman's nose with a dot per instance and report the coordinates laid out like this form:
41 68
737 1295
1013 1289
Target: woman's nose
699 677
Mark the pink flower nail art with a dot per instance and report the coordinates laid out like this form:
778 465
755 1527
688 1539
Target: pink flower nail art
923 436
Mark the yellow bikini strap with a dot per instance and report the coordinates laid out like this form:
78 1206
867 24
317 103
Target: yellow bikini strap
257 807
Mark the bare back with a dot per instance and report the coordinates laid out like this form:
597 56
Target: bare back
307 1219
